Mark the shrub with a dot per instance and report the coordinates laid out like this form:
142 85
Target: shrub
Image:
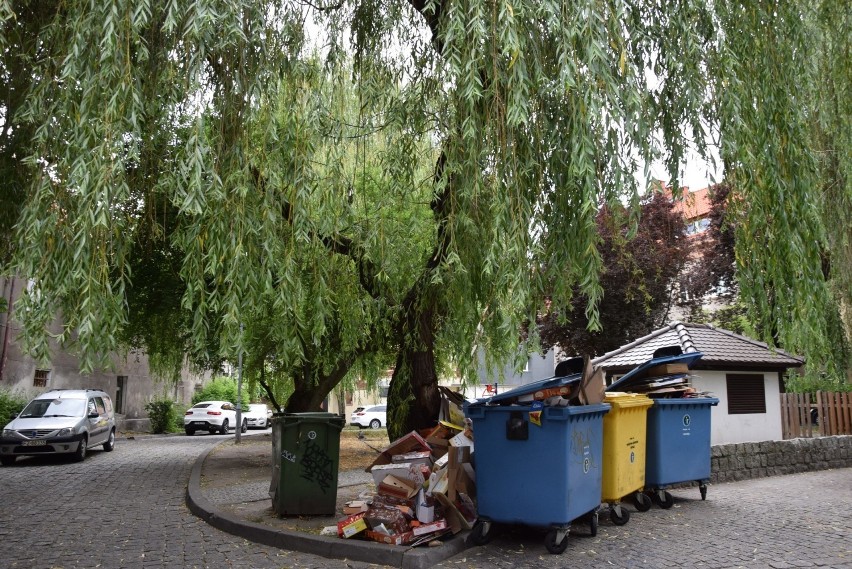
221 389
11 403
162 413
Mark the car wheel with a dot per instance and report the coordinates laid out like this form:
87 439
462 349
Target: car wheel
224 428
7 460
189 432
80 454
110 442
375 424
245 427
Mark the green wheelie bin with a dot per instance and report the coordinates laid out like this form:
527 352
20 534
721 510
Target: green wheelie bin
305 460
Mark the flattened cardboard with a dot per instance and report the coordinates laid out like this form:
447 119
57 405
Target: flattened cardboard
668 369
414 473
412 442
454 517
423 529
396 539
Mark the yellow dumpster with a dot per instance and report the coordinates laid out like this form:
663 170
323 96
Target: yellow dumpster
624 442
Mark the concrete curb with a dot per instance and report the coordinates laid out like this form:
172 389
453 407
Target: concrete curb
366 551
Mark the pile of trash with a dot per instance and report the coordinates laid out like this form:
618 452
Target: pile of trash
665 377
575 382
425 485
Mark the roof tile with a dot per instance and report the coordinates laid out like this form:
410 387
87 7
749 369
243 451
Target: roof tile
718 346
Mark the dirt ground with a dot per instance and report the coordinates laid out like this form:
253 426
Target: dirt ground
251 461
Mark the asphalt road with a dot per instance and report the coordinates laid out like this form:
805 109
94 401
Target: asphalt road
126 509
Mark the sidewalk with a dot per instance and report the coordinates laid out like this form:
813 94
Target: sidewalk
229 489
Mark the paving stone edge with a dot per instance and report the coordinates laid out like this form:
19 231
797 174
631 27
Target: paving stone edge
335 548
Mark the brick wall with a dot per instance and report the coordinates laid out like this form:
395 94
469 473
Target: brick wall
742 461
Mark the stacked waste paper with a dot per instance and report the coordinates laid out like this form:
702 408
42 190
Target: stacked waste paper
665 377
575 382
425 485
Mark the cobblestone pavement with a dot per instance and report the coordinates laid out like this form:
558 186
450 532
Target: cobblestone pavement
123 509
126 509
800 520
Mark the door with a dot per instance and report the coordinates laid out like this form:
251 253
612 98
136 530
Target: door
98 426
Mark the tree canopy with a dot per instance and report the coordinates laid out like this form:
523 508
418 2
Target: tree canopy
639 279
265 148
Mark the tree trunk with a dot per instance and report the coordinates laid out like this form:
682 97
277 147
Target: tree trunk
309 394
413 397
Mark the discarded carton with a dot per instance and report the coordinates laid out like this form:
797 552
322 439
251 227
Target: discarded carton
422 457
592 385
452 406
460 440
390 518
351 525
355 506
396 539
417 474
460 474
396 487
454 516
412 442
423 529
667 369
425 508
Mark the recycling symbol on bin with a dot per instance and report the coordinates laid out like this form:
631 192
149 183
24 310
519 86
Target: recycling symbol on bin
587 464
312 435
632 456
686 420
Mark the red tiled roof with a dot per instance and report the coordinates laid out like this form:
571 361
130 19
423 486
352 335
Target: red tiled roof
693 205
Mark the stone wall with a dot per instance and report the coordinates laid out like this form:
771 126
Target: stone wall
742 461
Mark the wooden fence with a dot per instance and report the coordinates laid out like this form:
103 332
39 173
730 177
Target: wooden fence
816 415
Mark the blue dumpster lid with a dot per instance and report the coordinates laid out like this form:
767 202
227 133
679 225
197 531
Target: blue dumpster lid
640 372
528 388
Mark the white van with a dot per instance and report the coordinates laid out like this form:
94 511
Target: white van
60 421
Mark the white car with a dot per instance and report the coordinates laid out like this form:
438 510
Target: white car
212 416
257 415
374 417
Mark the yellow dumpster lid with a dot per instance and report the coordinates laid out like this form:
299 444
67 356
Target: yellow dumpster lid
620 399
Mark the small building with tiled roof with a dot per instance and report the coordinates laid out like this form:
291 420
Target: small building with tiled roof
744 374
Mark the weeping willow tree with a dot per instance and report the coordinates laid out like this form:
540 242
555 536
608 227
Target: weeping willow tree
356 177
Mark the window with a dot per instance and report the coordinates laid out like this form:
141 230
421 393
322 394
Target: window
121 382
746 394
99 403
41 377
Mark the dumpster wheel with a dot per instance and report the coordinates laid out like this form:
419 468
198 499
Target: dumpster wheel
556 540
642 502
593 523
703 489
663 499
481 532
618 515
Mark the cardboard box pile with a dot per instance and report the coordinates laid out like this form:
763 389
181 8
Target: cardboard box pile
425 488
576 382
665 377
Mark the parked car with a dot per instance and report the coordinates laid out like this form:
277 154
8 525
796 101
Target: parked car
60 421
212 416
257 415
374 417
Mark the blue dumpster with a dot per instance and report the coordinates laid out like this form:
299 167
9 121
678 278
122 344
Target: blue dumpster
541 475
678 446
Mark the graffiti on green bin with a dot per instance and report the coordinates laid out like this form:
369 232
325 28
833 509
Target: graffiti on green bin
317 465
